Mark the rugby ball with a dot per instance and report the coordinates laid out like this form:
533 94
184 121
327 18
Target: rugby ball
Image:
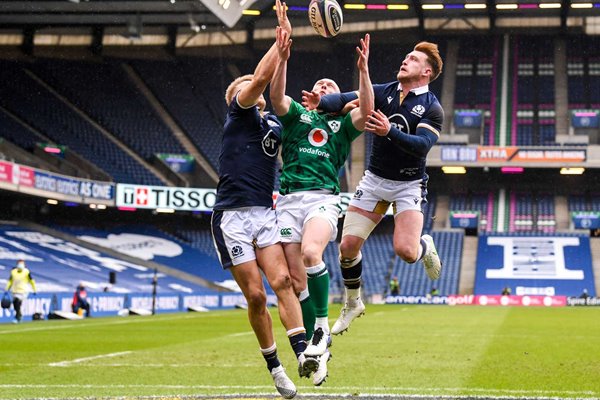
326 17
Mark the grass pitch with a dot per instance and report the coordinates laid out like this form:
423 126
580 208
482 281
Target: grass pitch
395 351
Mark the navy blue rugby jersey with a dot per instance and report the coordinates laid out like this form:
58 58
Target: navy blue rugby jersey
248 159
416 125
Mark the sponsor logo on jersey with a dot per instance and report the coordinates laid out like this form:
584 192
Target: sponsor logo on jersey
416 200
418 110
270 144
318 137
399 122
272 123
285 232
334 125
389 99
306 119
358 194
315 152
237 251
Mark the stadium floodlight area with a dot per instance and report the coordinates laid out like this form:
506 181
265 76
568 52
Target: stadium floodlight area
228 11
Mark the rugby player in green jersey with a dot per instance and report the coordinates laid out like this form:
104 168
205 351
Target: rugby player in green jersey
314 148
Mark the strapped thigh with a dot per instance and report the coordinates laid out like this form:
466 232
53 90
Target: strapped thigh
356 224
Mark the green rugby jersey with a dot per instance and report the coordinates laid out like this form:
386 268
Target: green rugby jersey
314 148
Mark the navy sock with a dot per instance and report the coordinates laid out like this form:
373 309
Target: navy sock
271 359
351 272
298 343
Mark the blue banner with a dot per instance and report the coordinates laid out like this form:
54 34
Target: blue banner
586 220
459 153
468 118
113 304
464 219
534 265
97 190
585 119
74 187
55 183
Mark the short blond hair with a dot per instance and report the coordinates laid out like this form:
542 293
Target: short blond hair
232 89
433 58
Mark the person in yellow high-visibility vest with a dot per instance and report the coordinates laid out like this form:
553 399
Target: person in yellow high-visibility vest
20 278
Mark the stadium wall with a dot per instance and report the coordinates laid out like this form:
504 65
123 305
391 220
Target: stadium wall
113 304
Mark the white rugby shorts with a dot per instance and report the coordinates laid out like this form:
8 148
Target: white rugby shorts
294 210
375 194
236 233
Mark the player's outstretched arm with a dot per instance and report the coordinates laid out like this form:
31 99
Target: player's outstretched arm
265 69
279 101
417 144
366 97
336 102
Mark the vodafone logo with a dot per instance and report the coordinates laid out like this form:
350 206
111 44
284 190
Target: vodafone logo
318 137
141 196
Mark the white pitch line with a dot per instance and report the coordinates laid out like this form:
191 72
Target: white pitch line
361 391
240 334
84 359
130 365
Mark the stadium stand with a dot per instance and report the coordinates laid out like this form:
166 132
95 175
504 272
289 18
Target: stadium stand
17 133
584 202
32 102
413 279
186 104
479 202
149 243
59 264
113 100
533 92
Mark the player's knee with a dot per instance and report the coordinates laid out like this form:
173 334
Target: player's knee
298 285
257 299
406 252
349 247
312 254
283 282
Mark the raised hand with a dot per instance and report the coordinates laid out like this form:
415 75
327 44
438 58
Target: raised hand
310 100
363 53
283 43
282 19
378 123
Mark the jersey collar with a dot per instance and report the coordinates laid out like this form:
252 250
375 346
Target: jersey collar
417 91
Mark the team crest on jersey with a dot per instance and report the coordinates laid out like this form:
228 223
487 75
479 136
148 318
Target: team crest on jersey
318 137
237 251
334 125
418 110
306 119
270 144
272 123
358 194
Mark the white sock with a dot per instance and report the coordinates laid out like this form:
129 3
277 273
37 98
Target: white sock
323 323
352 295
